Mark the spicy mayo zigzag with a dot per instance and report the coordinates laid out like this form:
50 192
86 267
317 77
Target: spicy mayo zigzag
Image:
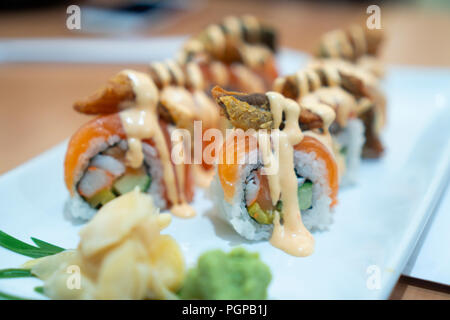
203 75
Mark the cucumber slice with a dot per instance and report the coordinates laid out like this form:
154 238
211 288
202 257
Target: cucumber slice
129 181
304 194
101 198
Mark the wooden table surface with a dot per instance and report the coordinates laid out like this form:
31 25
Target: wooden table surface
36 98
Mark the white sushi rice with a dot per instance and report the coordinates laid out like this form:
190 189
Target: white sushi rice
352 138
319 217
78 208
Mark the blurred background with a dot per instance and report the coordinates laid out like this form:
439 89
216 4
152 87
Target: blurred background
418 29
37 93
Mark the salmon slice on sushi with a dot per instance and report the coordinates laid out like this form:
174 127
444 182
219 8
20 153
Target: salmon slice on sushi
305 185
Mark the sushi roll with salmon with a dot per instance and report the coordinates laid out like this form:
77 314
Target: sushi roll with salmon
180 101
356 44
243 44
370 99
127 147
305 184
353 94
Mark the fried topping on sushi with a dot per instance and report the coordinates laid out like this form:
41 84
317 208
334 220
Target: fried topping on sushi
175 104
245 111
109 98
115 96
252 111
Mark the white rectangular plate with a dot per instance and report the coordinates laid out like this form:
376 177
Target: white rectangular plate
431 257
377 223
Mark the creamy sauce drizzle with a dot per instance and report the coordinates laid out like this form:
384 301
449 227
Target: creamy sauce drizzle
314 79
302 83
175 69
291 236
252 25
343 102
330 45
308 81
359 40
325 112
180 104
233 26
254 55
344 43
141 123
217 38
219 73
194 76
162 73
206 109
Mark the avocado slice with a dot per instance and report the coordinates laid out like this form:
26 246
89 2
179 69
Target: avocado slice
101 198
129 181
304 194
259 214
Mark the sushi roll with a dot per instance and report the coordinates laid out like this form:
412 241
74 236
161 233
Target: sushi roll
117 152
180 100
303 188
355 44
370 99
222 41
353 94
244 44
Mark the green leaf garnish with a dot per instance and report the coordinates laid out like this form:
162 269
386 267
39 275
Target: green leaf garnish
15 273
46 245
6 296
42 249
39 289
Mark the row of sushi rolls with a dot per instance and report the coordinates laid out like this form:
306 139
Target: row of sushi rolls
289 143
